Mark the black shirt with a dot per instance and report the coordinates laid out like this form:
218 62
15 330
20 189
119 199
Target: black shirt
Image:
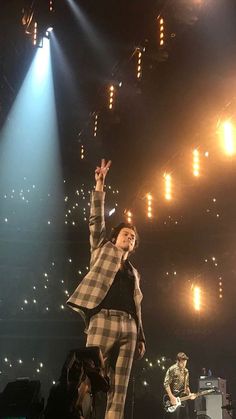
121 293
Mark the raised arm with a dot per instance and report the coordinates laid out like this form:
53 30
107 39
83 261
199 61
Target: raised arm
97 219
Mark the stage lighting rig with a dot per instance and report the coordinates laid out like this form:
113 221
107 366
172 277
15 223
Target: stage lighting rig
37 20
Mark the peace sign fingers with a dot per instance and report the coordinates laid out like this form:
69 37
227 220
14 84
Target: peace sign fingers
101 172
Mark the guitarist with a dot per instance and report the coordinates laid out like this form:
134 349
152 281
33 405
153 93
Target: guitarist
176 384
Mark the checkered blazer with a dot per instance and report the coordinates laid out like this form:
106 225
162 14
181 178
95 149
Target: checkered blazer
104 264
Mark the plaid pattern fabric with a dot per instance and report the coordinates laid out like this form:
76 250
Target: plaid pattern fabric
116 336
104 264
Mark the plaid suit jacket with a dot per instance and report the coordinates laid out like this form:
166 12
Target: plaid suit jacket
104 264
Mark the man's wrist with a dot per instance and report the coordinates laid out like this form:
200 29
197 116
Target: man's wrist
99 186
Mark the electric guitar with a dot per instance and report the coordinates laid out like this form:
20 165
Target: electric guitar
171 408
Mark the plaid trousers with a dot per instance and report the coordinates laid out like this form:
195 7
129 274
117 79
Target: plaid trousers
115 332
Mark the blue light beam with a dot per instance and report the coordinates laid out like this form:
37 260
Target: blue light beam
89 30
29 138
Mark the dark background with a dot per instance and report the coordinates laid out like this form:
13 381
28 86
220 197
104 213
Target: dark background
186 88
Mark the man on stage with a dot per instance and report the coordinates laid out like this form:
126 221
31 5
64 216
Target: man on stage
176 383
109 298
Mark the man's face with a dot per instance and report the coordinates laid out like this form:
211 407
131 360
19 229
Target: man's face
182 363
126 239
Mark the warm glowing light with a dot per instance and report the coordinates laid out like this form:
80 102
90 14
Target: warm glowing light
129 217
111 96
220 287
197 298
149 205
161 31
51 5
196 163
168 186
82 152
95 125
229 140
35 34
139 63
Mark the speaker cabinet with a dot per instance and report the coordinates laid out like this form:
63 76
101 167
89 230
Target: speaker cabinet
210 406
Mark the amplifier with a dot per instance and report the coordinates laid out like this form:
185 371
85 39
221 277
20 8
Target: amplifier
211 404
219 384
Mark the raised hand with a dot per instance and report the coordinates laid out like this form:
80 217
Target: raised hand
101 172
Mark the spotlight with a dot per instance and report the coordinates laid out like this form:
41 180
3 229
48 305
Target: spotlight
48 31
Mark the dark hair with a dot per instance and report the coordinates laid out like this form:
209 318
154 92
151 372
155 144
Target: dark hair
181 356
116 230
